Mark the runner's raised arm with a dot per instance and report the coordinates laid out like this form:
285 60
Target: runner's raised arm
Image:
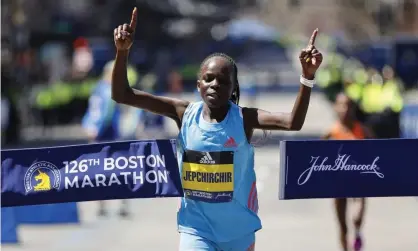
123 93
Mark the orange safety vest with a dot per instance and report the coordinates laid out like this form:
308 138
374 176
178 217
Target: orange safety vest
339 131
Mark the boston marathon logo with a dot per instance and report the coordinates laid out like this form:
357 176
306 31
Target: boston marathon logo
42 176
118 171
341 164
208 176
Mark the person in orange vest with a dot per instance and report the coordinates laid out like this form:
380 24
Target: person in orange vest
348 128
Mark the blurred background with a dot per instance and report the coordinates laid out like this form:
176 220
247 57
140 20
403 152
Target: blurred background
56 56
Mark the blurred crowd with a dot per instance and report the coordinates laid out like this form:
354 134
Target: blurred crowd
55 54
377 94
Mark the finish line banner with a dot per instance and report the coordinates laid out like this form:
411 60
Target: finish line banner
348 168
104 171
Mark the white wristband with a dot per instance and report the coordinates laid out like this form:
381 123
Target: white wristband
307 82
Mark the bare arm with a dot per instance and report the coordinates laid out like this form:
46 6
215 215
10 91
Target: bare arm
293 121
123 93
254 118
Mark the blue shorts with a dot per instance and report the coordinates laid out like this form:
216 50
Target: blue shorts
190 242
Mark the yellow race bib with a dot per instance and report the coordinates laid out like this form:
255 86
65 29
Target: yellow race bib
208 176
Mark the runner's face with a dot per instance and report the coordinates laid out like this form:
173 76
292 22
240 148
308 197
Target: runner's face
217 82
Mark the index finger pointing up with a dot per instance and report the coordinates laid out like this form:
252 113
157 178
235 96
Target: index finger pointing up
313 37
133 19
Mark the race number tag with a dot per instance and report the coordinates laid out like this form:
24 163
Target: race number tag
208 176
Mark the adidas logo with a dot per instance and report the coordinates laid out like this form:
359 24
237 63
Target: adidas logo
230 142
207 159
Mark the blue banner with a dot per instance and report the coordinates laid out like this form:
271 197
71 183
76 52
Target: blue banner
104 171
348 168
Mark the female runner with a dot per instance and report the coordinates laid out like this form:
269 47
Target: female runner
216 159
347 127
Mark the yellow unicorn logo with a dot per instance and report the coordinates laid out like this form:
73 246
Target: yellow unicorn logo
45 182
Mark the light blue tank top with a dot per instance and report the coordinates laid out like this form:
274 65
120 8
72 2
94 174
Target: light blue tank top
217 172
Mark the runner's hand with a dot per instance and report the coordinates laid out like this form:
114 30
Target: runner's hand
310 58
124 34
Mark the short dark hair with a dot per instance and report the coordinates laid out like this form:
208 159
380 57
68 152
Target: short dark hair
236 92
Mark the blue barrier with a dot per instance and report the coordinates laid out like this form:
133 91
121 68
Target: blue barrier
9 226
12 217
409 121
348 168
63 213
103 171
